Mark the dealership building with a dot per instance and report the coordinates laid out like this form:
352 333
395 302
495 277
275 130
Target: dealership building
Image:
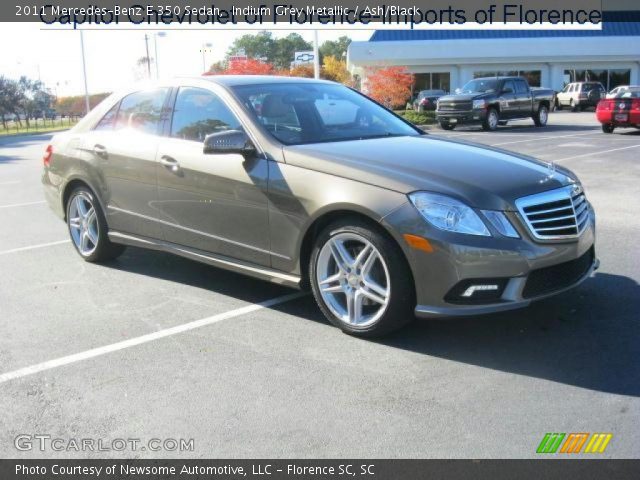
447 59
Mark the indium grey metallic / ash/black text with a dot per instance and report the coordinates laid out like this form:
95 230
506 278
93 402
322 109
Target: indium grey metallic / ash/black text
310 184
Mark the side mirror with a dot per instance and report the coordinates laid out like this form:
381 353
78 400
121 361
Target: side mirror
507 90
229 141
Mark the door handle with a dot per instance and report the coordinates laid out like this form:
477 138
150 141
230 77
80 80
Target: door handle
170 163
100 151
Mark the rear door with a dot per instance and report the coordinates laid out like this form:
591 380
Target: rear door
523 99
211 202
123 145
507 99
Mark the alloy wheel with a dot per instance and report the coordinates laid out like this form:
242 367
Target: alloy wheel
83 224
493 120
353 279
543 116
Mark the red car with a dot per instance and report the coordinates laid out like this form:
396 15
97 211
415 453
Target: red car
622 111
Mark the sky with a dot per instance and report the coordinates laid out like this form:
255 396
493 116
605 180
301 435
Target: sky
54 56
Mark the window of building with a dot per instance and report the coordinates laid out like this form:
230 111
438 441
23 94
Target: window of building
142 111
198 113
432 81
533 76
609 78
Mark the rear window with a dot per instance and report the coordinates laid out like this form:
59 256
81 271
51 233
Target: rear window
587 87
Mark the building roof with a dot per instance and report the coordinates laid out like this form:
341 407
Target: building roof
612 26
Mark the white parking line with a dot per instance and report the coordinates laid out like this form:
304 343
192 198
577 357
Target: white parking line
132 342
596 153
535 139
33 247
23 204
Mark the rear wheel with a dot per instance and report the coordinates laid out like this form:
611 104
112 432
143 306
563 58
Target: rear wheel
607 128
360 279
490 123
541 116
88 227
447 126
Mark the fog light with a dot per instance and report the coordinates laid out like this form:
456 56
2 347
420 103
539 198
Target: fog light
475 288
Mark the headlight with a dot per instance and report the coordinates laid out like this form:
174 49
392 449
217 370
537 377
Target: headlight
449 214
501 223
478 104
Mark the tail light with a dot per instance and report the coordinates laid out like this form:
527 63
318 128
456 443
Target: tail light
635 104
605 105
48 153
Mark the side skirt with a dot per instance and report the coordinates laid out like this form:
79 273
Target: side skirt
221 261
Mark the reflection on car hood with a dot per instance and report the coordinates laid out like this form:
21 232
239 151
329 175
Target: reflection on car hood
484 177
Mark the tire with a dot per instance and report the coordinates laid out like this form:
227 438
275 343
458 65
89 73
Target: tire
447 126
607 128
88 227
541 116
490 123
383 274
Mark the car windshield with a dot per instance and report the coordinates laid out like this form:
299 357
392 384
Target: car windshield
299 113
481 85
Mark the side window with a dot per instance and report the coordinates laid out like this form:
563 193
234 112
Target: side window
198 113
509 84
142 111
521 86
109 119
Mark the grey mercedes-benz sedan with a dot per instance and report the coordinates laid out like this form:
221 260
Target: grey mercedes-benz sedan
311 184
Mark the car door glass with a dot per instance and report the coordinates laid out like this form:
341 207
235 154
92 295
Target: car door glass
509 85
198 113
109 120
142 111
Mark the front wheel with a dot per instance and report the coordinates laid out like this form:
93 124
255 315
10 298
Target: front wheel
607 128
541 116
88 227
490 123
361 280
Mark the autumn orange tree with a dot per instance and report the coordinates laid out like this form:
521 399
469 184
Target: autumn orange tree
245 66
303 70
390 86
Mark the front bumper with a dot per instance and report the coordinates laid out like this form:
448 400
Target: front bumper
457 259
461 117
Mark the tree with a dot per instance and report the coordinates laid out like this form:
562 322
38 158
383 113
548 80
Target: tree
75 105
390 86
336 70
303 70
9 100
335 48
247 66
263 46
143 67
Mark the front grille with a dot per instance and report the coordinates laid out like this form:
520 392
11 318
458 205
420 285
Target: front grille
556 214
449 106
554 278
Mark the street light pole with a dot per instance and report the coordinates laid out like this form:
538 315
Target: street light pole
316 56
155 46
146 44
204 49
84 72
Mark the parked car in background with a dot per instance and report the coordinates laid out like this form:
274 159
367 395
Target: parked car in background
580 95
621 89
427 100
621 111
379 219
492 101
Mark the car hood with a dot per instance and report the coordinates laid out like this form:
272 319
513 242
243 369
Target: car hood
483 177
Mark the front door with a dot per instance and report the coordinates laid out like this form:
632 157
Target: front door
507 99
211 202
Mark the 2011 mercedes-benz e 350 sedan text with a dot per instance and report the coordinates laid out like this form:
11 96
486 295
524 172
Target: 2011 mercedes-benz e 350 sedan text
309 183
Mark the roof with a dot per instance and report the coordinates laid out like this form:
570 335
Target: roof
612 26
235 80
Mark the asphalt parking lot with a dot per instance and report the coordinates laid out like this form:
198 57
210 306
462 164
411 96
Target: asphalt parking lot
277 380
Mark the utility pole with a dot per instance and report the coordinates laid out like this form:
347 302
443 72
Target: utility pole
155 46
146 44
84 72
316 55
204 49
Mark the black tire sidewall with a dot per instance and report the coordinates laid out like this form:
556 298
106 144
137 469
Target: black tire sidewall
399 311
